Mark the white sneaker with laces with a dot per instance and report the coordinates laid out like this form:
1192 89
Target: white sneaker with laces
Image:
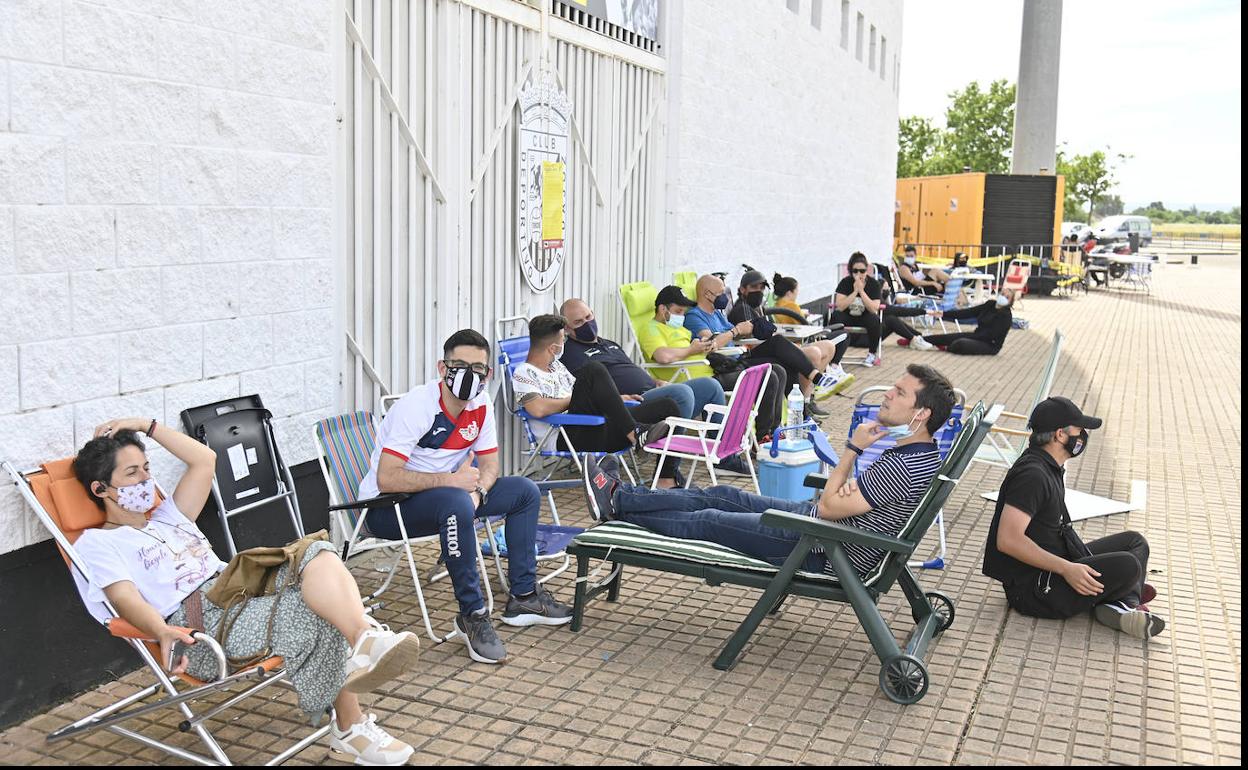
870 360
378 656
918 343
369 743
836 372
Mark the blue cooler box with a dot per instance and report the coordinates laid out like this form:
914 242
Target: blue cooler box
782 476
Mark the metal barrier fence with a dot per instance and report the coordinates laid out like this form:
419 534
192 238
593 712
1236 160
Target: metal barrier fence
1204 243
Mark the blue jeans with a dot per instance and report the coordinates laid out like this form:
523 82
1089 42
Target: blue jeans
449 512
721 514
691 396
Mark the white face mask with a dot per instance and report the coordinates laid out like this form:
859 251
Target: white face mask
137 498
559 352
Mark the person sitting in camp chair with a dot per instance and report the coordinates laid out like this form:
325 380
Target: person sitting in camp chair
423 448
918 281
824 355
1043 566
881 500
155 567
544 386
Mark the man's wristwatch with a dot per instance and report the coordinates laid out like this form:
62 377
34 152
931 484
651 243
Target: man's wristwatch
481 493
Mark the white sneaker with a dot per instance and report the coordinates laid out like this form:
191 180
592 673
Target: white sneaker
829 385
378 656
369 744
836 372
918 343
871 360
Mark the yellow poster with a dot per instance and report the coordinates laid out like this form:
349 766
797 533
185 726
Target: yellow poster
552 205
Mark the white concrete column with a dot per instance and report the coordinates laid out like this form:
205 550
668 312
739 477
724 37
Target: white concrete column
1035 115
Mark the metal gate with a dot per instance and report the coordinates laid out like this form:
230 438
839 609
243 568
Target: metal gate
427 177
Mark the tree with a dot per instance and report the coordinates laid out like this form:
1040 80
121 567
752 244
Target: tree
980 129
1108 206
917 143
978 133
1088 178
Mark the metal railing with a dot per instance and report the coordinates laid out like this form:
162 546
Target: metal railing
1203 243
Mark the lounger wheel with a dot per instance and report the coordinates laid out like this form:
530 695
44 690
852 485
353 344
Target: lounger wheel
943 607
903 678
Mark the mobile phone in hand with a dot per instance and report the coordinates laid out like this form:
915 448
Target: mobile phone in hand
176 652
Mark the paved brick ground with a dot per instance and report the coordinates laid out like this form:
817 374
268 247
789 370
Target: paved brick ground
636 686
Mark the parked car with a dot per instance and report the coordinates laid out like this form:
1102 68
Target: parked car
1120 227
1073 228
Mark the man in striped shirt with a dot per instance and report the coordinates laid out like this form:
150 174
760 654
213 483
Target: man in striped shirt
881 500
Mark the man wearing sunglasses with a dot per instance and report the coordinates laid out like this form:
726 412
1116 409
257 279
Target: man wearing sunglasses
425 448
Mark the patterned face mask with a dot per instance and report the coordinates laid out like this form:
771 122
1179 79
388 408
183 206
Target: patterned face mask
137 498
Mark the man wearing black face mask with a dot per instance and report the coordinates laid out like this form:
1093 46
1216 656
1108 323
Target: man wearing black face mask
425 448
1045 569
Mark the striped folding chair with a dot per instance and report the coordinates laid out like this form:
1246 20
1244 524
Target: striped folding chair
346 445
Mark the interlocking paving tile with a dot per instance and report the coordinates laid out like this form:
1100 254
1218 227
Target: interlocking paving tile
636 685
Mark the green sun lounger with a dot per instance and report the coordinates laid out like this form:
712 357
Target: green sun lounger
903 675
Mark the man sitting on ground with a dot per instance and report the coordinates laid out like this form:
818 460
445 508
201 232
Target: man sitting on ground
423 448
544 386
1045 569
882 499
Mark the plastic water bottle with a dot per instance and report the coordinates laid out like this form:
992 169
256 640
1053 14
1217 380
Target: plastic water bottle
797 409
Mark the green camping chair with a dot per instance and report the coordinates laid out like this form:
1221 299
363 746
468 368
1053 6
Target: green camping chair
1005 445
903 675
637 299
687 280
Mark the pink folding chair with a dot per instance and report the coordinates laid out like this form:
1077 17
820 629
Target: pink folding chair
715 441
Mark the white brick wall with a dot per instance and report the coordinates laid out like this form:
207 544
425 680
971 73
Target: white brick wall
165 219
784 145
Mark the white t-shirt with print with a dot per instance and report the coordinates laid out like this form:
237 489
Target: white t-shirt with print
420 431
529 382
166 560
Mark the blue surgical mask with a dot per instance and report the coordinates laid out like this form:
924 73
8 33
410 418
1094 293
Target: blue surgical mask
1002 300
898 432
676 321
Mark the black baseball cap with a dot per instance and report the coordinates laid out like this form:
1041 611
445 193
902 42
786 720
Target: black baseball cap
752 277
673 295
1059 412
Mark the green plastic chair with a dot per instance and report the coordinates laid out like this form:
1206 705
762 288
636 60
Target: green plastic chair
687 280
637 299
903 674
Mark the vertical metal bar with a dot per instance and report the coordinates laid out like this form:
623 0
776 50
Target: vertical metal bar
433 233
357 326
373 348
413 288
397 305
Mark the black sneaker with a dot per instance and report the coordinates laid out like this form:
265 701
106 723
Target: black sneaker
478 634
537 609
1133 622
732 466
599 489
648 434
813 408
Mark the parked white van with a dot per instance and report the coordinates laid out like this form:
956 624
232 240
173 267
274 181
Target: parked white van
1120 226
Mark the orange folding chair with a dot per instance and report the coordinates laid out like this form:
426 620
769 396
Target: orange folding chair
66 510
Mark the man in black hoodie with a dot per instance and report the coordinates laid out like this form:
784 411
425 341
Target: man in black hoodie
993 318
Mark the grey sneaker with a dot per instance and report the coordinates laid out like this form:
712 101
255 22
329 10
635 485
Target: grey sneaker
732 466
1133 622
814 409
536 609
477 632
599 488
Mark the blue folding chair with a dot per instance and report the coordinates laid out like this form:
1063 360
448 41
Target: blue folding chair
949 301
866 408
512 352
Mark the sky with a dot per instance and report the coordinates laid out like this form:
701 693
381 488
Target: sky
1159 81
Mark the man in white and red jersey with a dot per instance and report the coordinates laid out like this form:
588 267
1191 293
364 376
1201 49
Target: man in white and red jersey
425 447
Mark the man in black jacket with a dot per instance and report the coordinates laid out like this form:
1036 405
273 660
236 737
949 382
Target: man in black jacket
994 319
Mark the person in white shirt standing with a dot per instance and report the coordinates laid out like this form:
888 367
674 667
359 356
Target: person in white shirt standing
426 447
